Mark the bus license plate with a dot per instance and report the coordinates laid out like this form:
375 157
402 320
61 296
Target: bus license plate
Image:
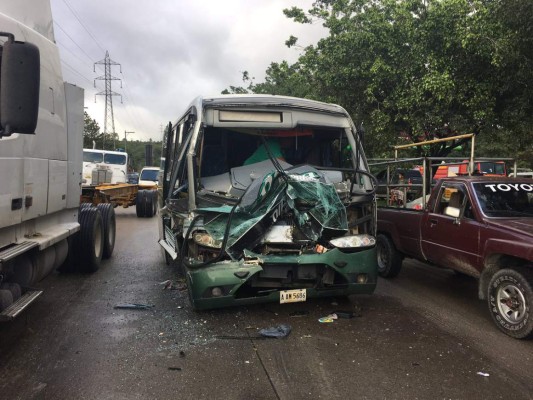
292 296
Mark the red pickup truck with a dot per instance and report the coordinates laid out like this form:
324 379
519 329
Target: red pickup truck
479 226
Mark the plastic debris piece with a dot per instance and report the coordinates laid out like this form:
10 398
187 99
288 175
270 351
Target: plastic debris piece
134 306
230 337
279 331
174 368
328 318
344 314
166 284
483 374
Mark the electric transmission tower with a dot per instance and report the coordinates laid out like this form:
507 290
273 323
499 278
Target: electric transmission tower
109 121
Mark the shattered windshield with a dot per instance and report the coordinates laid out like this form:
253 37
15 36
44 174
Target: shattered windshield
232 159
505 199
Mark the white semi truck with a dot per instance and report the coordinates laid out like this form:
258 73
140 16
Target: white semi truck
42 226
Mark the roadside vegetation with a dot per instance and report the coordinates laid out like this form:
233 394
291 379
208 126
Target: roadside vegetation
419 69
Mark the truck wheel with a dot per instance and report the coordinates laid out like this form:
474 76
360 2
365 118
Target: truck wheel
154 201
6 299
139 203
109 221
14 288
150 203
91 239
389 259
510 298
85 205
73 256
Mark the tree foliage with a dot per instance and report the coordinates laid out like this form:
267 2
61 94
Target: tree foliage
93 137
419 69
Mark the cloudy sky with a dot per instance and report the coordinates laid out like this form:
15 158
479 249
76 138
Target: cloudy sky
170 51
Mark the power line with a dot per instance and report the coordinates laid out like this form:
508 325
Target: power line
82 24
73 41
73 70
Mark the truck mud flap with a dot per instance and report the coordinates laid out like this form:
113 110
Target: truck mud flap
20 305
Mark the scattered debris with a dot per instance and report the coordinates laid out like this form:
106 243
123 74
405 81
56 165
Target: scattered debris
134 306
247 362
299 313
328 318
306 336
169 285
230 337
182 354
483 374
174 368
279 331
344 314
166 284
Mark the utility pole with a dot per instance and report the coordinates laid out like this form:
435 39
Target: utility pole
126 140
109 120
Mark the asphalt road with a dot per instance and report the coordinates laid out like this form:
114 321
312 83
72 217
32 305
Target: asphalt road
423 335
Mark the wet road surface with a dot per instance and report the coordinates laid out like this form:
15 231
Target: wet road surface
423 335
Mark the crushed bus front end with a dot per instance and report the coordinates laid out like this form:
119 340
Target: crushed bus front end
266 199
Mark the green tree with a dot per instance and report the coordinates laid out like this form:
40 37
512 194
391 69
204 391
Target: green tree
419 69
92 135
91 132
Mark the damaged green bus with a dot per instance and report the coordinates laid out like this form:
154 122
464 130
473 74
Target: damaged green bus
267 199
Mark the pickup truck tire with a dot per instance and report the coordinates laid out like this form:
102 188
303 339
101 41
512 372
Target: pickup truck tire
91 239
110 227
389 259
510 299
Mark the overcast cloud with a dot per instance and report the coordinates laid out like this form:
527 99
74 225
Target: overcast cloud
170 51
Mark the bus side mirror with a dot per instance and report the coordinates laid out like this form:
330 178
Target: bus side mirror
19 87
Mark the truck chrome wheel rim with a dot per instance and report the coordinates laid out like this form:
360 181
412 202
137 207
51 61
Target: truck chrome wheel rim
511 303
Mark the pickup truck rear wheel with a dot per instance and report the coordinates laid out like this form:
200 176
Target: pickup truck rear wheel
389 259
510 298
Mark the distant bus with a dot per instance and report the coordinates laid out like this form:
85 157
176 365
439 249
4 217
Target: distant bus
114 161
